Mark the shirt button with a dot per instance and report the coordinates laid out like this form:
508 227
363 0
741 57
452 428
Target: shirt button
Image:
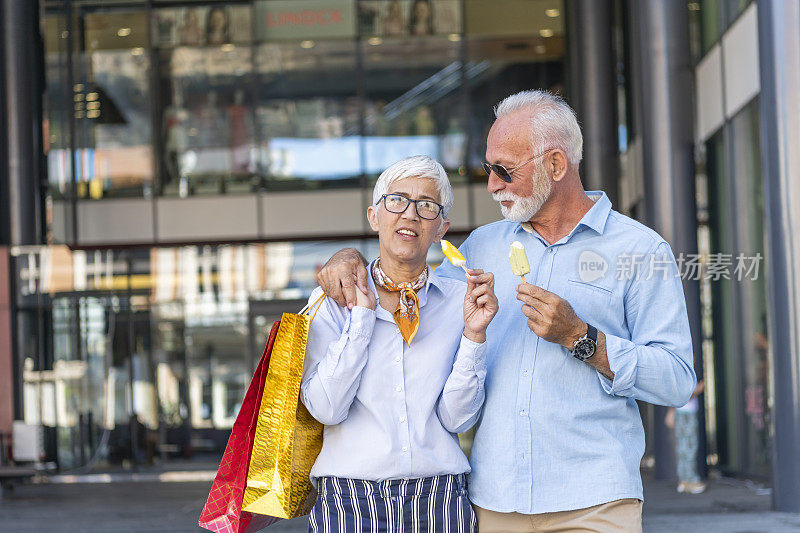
398 388
549 250
405 448
397 358
524 372
522 412
402 419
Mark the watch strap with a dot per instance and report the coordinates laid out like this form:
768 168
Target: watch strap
591 332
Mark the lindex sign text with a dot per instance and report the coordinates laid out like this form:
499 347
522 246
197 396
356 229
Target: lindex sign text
308 17
281 20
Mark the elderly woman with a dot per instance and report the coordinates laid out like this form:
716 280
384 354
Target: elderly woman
397 376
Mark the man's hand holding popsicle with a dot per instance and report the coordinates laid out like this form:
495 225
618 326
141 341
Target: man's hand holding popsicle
550 316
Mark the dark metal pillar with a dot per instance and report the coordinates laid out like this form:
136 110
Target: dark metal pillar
22 78
592 90
666 86
23 108
779 55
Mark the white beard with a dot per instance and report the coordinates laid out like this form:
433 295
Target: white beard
525 208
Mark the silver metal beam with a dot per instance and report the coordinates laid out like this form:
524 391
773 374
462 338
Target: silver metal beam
779 55
666 130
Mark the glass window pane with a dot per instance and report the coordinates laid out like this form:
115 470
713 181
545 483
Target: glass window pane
523 49
57 93
710 30
112 105
206 96
411 102
722 306
307 114
733 9
193 26
749 276
738 294
413 83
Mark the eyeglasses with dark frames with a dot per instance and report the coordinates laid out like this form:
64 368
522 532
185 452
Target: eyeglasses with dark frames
505 174
397 203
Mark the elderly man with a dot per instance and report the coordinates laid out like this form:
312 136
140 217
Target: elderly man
598 323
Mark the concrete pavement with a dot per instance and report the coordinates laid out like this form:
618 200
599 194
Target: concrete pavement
173 506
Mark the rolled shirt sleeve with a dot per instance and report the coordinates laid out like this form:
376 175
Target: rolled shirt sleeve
656 364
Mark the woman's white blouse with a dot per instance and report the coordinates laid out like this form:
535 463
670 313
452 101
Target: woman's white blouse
392 411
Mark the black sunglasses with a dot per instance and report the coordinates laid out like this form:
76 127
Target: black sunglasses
505 174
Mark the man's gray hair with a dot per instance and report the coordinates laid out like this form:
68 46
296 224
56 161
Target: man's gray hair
417 166
553 122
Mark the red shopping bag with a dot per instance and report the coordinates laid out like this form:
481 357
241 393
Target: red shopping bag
223 510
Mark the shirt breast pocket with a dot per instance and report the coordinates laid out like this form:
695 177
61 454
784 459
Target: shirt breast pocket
591 301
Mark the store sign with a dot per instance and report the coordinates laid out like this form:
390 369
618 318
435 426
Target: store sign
305 19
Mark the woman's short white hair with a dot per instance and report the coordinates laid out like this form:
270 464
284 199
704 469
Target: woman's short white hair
417 166
553 122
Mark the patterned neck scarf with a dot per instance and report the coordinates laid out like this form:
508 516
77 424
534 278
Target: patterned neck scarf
406 316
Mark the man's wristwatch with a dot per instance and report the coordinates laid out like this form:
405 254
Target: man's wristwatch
585 347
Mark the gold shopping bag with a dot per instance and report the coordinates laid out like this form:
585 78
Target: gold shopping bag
288 439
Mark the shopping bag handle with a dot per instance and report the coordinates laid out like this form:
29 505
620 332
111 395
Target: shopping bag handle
309 306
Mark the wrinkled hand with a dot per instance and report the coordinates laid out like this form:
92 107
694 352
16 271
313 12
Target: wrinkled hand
480 304
340 276
550 316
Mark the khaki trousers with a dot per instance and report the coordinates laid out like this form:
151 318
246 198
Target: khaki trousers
619 516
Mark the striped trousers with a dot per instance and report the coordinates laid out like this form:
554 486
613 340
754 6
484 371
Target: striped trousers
437 504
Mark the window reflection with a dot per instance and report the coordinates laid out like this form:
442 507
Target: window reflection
58 116
111 104
523 49
413 87
307 113
153 348
206 114
413 83
287 94
208 126
206 98
739 307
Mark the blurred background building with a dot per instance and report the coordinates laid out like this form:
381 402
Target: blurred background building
175 172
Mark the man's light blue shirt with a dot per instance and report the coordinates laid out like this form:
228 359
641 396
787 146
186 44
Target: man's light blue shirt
554 434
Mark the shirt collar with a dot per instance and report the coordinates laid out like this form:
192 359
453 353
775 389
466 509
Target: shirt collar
433 281
595 218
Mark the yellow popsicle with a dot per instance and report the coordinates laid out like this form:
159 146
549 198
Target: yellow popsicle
519 260
452 253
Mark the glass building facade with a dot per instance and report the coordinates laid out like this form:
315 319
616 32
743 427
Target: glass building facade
184 99
233 112
201 160
732 233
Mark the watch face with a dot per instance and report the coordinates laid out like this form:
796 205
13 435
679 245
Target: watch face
584 349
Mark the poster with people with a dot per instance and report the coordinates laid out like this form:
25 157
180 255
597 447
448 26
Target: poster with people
203 25
403 18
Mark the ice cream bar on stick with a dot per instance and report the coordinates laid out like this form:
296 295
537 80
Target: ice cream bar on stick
518 260
452 253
